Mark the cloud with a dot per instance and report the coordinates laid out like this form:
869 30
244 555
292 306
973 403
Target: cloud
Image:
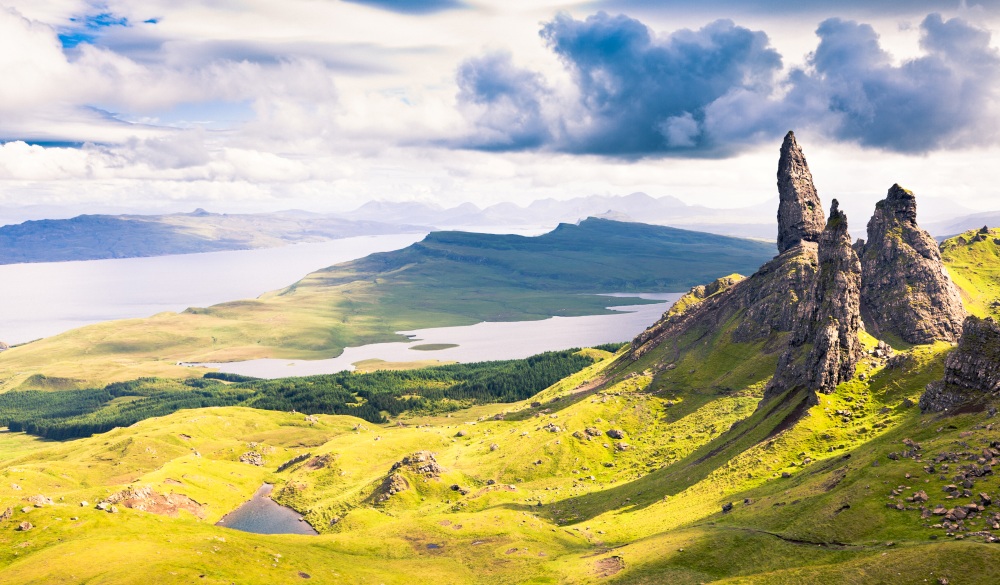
785 7
504 101
946 97
412 6
721 89
637 93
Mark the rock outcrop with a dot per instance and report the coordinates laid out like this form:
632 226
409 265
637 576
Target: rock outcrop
421 463
905 289
804 303
146 499
800 214
827 319
971 372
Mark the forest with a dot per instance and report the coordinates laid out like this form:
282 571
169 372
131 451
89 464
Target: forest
372 396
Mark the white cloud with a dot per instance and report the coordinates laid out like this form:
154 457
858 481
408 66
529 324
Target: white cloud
333 103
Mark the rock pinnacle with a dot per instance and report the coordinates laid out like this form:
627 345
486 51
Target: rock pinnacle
800 213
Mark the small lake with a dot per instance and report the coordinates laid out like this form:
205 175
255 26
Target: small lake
480 342
47 298
261 515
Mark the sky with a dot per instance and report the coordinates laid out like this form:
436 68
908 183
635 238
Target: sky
254 105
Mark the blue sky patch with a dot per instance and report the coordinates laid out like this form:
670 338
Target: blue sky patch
412 6
86 29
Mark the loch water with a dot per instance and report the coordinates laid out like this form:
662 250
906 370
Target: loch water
262 515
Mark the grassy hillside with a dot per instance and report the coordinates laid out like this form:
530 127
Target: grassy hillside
450 278
973 261
661 469
543 505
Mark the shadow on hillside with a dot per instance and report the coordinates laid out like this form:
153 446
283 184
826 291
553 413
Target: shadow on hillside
770 419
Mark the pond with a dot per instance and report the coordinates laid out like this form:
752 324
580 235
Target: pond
261 515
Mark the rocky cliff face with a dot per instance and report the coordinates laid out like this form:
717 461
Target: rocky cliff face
971 372
807 303
827 320
905 290
804 303
800 214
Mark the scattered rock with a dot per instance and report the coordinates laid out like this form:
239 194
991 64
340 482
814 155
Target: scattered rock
24 526
616 434
252 458
727 508
494 446
145 499
6 514
391 485
421 462
39 501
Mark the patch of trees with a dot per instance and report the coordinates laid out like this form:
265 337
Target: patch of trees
371 396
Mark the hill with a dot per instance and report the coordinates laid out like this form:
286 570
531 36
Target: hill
449 278
92 237
973 259
763 431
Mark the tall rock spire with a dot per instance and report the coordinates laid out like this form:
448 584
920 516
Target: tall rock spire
800 213
905 289
824 348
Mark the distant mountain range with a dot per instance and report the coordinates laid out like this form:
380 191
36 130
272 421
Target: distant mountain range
92 237
89 237
756 221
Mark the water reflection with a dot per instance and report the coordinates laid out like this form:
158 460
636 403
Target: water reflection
262 515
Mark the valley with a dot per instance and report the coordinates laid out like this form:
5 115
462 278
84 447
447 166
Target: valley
820 416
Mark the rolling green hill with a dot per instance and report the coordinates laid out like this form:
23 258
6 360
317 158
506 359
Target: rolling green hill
543 505
449 278
664 465
973 261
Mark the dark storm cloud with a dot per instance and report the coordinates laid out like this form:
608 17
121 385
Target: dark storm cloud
716 90
820 8
638 93
412 6
940 99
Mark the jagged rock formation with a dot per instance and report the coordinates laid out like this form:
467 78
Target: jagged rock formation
905 289
800 214
804 304
827 319
971 372
767 301
420 463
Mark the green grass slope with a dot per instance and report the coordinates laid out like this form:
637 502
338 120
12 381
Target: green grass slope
973 261
546 495
450 278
